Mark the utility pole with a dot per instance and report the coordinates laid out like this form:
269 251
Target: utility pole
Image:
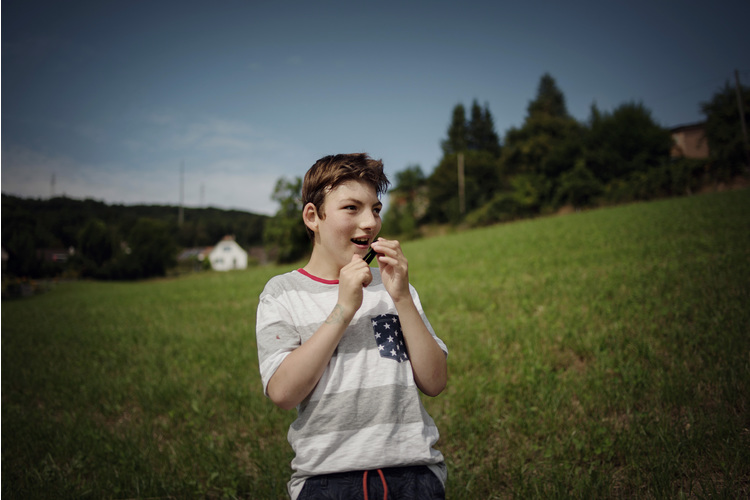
461 185
741 109
181 212
52 187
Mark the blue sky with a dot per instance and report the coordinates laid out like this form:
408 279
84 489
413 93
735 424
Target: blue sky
112 97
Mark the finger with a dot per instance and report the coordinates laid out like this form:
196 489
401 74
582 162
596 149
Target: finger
367 278
386 260
355 269
382 242
391 248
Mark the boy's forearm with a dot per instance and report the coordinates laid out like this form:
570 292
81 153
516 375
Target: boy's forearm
300 372
428 360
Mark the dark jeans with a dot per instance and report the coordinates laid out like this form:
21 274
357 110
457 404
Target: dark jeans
417 482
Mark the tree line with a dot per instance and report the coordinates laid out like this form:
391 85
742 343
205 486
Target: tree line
112 241
549 162
552 160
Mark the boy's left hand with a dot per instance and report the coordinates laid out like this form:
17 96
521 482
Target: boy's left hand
394 268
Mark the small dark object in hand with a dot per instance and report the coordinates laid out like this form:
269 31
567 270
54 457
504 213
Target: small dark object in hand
370 255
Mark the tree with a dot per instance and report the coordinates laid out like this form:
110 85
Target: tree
480 145
457 140
407 203
625 141
285 233
152 248
96 242
481 180
545 145
550 140
549 99
578 186
481 135
724 129
21 247
535 156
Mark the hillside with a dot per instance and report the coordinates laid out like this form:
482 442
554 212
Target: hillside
603 354
56 222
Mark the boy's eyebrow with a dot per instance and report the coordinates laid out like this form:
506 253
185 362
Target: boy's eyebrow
359 202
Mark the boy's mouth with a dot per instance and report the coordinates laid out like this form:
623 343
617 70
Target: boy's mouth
361 241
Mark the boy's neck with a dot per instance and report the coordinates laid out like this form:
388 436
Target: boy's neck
322 267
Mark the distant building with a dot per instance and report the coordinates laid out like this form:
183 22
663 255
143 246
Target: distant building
228 255
194 254
195 258
689 141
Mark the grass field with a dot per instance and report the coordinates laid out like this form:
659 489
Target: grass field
603 354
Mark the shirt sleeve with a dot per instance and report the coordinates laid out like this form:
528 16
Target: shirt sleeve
275 335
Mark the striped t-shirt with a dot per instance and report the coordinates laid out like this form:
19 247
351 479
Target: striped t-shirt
365 412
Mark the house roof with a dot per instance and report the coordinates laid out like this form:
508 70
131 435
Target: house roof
688 126
190 253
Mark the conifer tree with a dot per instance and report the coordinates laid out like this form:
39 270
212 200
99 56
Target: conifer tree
550 140
479 144
457 140
549 100
481 134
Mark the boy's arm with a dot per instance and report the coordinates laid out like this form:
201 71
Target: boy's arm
301 370
428 360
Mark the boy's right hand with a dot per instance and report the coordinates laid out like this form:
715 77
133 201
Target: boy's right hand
353 277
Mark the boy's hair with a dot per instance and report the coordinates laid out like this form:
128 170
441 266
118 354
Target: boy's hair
331 171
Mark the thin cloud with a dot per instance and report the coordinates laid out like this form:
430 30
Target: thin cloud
203 134
232 182
30 173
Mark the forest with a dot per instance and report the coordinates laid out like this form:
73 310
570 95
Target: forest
112 241
550 163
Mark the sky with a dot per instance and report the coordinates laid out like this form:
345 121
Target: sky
127 101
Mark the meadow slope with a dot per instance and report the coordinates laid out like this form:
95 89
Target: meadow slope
598 354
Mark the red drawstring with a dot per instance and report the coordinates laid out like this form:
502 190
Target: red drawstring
382 478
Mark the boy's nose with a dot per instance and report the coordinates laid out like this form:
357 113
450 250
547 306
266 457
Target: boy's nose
368 221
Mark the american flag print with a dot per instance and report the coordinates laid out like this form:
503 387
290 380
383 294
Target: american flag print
390 340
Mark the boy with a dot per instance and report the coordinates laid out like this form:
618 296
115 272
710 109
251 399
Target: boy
349 345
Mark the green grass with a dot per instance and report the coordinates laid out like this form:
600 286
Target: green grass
601 354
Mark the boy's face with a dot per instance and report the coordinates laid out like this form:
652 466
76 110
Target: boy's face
351 222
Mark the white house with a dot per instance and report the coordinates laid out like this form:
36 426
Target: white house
228 255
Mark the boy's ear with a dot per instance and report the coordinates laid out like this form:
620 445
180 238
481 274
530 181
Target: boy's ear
310 216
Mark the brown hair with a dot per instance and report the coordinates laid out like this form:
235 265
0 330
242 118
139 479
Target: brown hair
334 170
